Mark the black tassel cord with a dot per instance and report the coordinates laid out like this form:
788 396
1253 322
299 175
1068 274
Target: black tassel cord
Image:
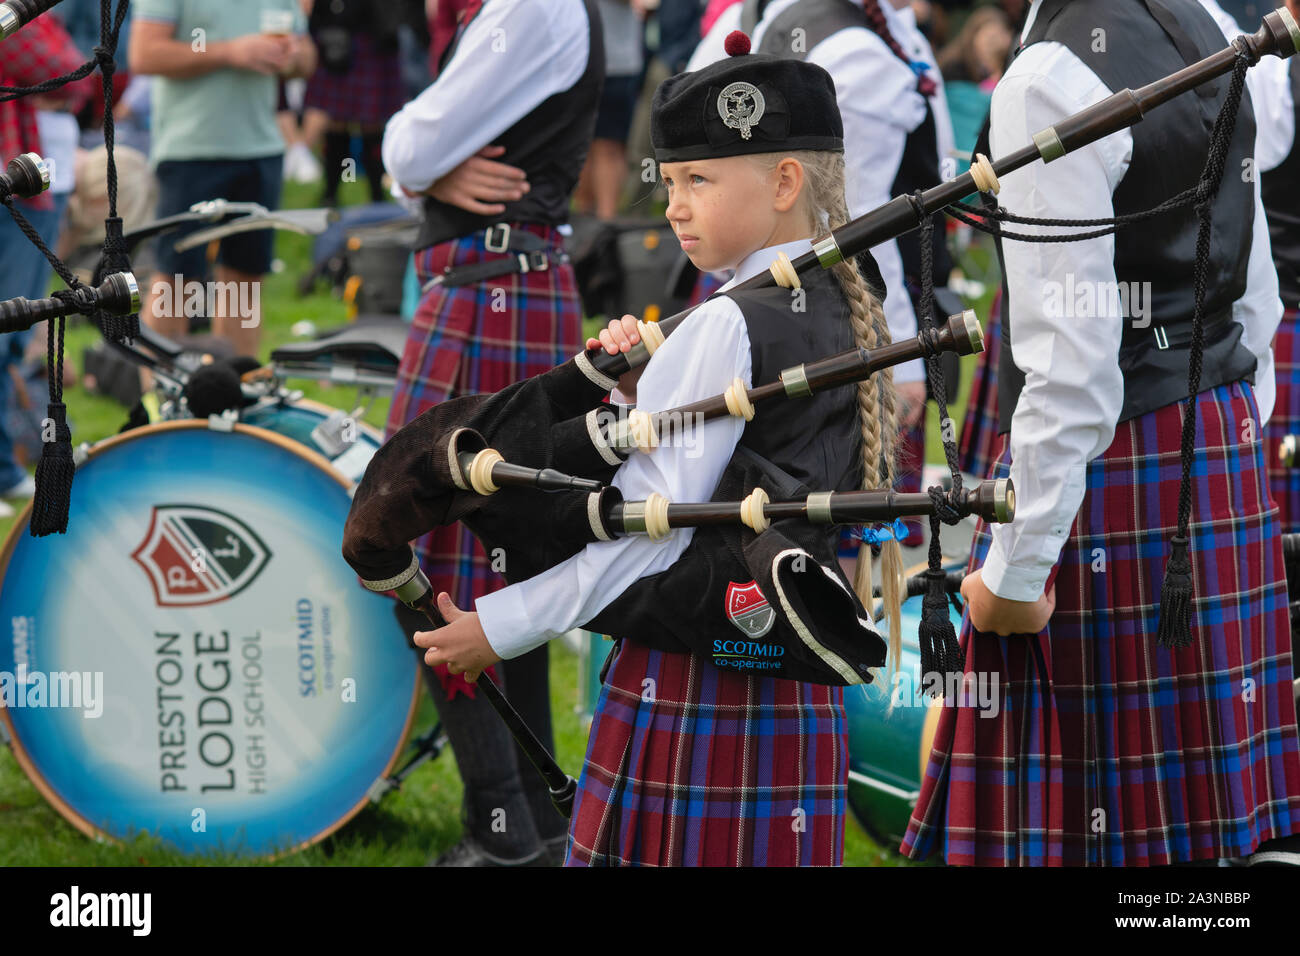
56 469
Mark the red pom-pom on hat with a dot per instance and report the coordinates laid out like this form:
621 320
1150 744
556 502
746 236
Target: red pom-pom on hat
736 44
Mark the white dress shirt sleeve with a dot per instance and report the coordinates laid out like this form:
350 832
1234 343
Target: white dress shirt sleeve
699 360
1269 87
513 56
1260 310
1074 389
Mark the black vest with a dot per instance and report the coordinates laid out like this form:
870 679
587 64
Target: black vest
919 165
1282 203
550 144
1144 41
792 448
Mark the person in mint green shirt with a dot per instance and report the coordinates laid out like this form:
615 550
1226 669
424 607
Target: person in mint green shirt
218 65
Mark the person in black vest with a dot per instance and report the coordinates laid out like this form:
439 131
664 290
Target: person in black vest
898 135
1111 748
692 759
519 83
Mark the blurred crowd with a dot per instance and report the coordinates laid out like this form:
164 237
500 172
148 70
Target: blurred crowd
216 100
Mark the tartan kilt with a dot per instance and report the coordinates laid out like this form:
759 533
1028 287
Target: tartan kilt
473 339
369 93
1108 749
716 768
979 443
1284 482
706 283
911 462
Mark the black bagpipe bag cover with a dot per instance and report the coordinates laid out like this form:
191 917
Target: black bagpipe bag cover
408 490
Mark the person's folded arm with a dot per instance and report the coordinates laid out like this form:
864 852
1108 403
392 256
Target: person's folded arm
514 55
699 360
1073 393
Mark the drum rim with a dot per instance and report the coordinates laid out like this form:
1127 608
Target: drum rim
19 751
318 406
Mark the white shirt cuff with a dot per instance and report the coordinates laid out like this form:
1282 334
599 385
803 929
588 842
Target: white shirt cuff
506 624
1012 583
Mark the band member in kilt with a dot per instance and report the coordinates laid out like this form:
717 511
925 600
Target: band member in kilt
519 83
1109 747
897 132
1283 209
688 762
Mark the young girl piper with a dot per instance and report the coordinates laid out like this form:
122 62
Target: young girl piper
691 763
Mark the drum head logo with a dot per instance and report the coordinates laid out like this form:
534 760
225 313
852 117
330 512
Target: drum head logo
748 609
196 555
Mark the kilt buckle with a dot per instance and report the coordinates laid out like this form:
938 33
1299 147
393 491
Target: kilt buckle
501 229
534 261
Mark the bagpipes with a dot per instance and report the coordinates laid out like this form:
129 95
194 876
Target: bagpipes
499 463
55 470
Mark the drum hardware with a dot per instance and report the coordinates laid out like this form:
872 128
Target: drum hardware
428 746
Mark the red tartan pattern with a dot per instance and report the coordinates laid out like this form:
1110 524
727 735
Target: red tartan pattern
709 767
475 339
1284 482
369 93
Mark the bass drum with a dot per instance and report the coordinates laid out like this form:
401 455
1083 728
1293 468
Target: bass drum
890 746
308 423
194 658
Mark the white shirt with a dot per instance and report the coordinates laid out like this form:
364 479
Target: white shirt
1074 389
512 57
1270 93
699 360
880 107
59 135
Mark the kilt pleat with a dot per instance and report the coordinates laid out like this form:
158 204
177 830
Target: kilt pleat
473 339
1284 482
368 93
693 765
979 442
1108 749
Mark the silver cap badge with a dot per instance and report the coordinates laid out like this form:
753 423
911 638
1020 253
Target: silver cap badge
741 107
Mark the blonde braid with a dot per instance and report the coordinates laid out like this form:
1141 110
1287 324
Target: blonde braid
877 399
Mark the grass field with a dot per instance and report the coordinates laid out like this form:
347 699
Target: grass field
407 827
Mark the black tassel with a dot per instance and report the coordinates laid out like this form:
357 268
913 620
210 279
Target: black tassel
54 474
940 652
1176 596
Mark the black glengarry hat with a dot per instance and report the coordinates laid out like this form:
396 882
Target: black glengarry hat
747 103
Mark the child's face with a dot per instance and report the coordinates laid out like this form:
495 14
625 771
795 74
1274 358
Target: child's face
724 209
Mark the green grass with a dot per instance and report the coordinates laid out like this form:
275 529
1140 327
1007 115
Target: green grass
407 827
